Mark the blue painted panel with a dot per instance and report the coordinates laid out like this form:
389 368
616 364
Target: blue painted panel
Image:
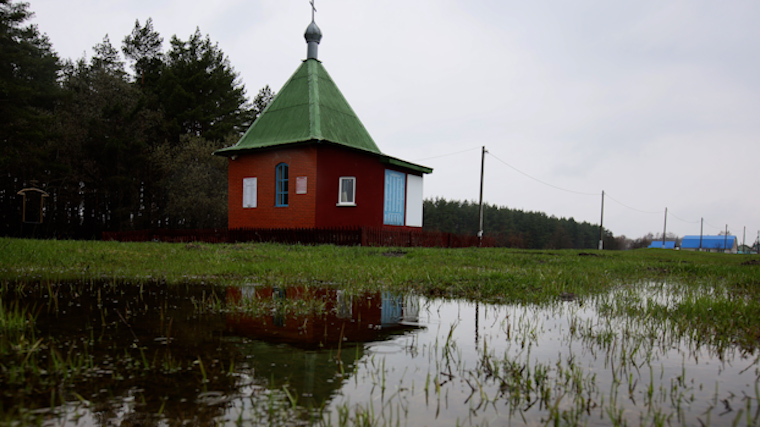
395 187
390 310
708 242
657 244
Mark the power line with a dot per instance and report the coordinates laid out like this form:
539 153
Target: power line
629 207
446 155
683 220
542 182
564 189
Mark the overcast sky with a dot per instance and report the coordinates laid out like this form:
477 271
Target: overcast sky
655 102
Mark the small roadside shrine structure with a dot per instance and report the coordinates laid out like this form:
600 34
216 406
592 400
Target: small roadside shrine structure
308 162
33 203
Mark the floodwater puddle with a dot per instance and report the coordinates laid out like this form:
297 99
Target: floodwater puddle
152 354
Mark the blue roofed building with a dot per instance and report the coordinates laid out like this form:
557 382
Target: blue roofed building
726 244
658 244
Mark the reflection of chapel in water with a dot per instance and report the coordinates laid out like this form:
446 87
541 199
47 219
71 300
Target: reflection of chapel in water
346 317
313 354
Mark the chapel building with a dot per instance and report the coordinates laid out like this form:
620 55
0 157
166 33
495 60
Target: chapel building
308 162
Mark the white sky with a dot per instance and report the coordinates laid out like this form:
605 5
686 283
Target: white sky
654 102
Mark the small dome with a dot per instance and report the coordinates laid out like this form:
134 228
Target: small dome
313 33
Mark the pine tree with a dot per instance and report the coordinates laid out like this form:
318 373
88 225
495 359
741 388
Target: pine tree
143 48
201 92
28 93
28 86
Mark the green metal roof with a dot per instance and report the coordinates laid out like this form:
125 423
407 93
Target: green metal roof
309 107
403 163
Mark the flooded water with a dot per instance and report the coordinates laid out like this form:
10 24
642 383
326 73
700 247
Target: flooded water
110 354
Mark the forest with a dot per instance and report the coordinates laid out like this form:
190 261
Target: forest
123 141
516 228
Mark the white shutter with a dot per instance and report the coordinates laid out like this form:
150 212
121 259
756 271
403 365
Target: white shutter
249 192
414 201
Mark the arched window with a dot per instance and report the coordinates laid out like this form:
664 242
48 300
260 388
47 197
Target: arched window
281 185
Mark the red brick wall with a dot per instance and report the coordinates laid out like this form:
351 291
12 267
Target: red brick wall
323 165
302 161
334 163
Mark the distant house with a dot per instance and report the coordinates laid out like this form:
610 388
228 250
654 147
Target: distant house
745 249
726 244
658 244
308 162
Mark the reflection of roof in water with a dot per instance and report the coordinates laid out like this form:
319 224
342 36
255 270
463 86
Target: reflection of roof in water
345 318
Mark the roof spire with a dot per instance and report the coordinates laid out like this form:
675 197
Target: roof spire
313 35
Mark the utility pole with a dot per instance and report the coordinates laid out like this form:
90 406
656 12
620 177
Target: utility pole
725 239
701 230
480 210
744 237
601 226
664 228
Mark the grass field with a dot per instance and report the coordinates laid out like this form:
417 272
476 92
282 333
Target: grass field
646 303
732 282
490 274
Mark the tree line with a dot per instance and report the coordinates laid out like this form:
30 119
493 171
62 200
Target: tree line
123 141
515 228
119 141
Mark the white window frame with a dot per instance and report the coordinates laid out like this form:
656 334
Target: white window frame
250 190
351 201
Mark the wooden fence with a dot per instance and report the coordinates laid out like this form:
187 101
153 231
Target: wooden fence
350 236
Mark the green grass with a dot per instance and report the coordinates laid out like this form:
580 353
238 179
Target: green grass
724 288
490 274
659 297
13 319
